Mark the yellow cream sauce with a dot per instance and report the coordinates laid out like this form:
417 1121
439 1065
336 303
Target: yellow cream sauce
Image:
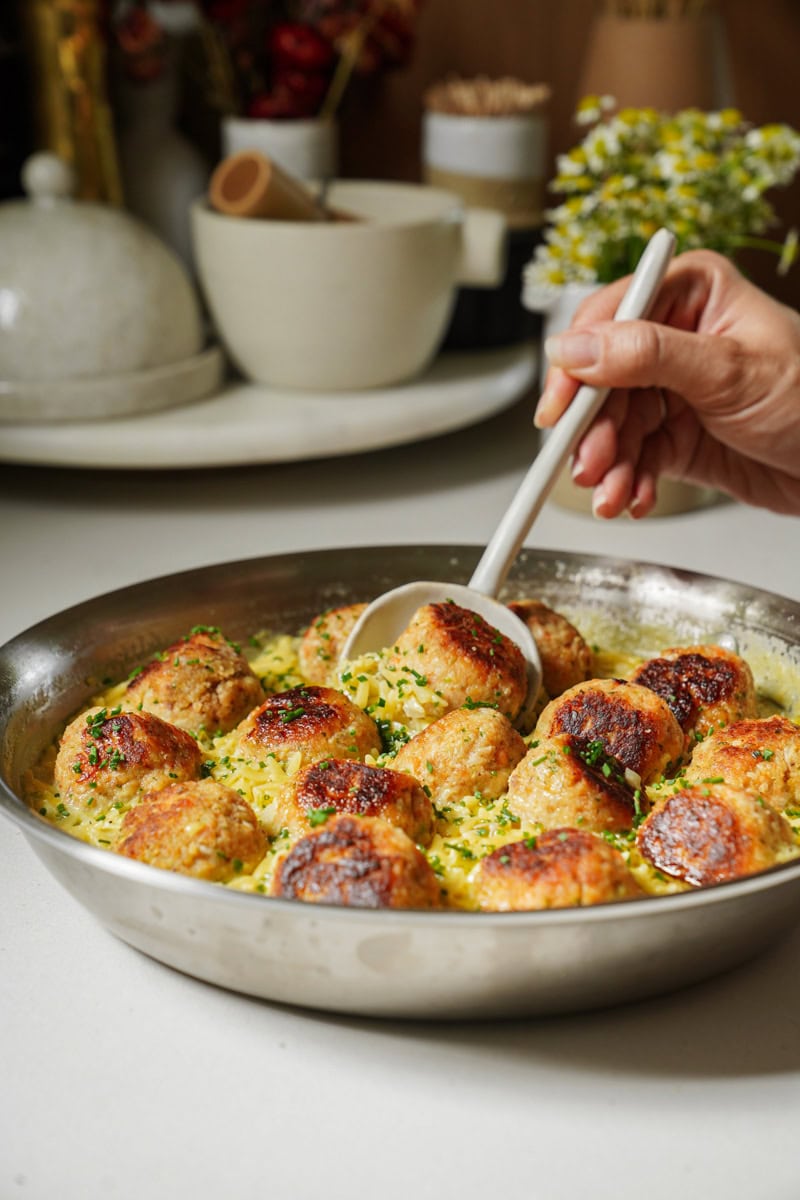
467 830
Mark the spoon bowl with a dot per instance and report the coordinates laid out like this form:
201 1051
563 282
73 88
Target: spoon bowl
387 616
382 621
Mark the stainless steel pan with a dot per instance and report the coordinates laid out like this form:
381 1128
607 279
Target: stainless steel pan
398 964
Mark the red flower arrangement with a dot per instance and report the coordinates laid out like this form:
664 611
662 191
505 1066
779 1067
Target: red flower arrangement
280 58
141 42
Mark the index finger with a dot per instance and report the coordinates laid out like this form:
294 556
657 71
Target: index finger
600 305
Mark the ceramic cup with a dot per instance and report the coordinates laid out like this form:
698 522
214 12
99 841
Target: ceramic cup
340 306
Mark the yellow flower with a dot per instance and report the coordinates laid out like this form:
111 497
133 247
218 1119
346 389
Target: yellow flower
704 161
592 108
702 174
555 275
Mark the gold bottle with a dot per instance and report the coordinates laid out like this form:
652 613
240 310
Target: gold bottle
72 116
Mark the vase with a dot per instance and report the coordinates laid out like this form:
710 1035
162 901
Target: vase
666 63
162 172
307 148
674 496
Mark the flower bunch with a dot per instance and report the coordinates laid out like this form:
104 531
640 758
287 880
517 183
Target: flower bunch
140 40
271 58
703 175
294 58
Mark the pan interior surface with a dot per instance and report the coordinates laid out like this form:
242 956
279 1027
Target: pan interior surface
400 964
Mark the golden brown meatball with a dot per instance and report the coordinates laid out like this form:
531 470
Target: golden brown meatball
335 786
633 724
463 657
318 722
114 756
761 756
200 682
201 829
707 833
466 752
323 641
705 686
566 658
560 869
362 862
559 783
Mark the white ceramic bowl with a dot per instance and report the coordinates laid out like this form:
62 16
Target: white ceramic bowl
342 305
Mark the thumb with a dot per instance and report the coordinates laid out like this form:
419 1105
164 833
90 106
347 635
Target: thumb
626 354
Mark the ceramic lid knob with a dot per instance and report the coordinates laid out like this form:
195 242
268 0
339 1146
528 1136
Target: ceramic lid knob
47 178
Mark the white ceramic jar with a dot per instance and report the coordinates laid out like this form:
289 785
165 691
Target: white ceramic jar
495 161
307 148
499 162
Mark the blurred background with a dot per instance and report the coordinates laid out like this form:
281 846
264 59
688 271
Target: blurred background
751 63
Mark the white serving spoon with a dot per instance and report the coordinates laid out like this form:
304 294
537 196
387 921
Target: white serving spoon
387 616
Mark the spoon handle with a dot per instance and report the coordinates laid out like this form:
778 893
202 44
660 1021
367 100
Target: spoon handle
495 563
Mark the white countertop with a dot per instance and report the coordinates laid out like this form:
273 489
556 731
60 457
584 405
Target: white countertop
126 1080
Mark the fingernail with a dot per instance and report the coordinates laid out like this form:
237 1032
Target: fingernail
577 468
577 349
540 415
599 501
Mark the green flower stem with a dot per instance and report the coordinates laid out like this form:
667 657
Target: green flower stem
756 243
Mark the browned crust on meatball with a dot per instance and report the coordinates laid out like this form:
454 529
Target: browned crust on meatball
200 829
324 639
117 754
561 783
709 834
633 723
341 786
704 686
201 681
762 756
463 657
362 862
565 656
563 868
318 721
465 752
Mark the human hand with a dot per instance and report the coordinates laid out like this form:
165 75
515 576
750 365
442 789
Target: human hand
707 390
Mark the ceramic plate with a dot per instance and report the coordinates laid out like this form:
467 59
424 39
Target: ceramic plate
108 396
250 423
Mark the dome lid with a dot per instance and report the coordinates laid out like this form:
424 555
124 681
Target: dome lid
86 290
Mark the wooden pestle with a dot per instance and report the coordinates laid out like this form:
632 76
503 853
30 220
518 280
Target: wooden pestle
249 184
